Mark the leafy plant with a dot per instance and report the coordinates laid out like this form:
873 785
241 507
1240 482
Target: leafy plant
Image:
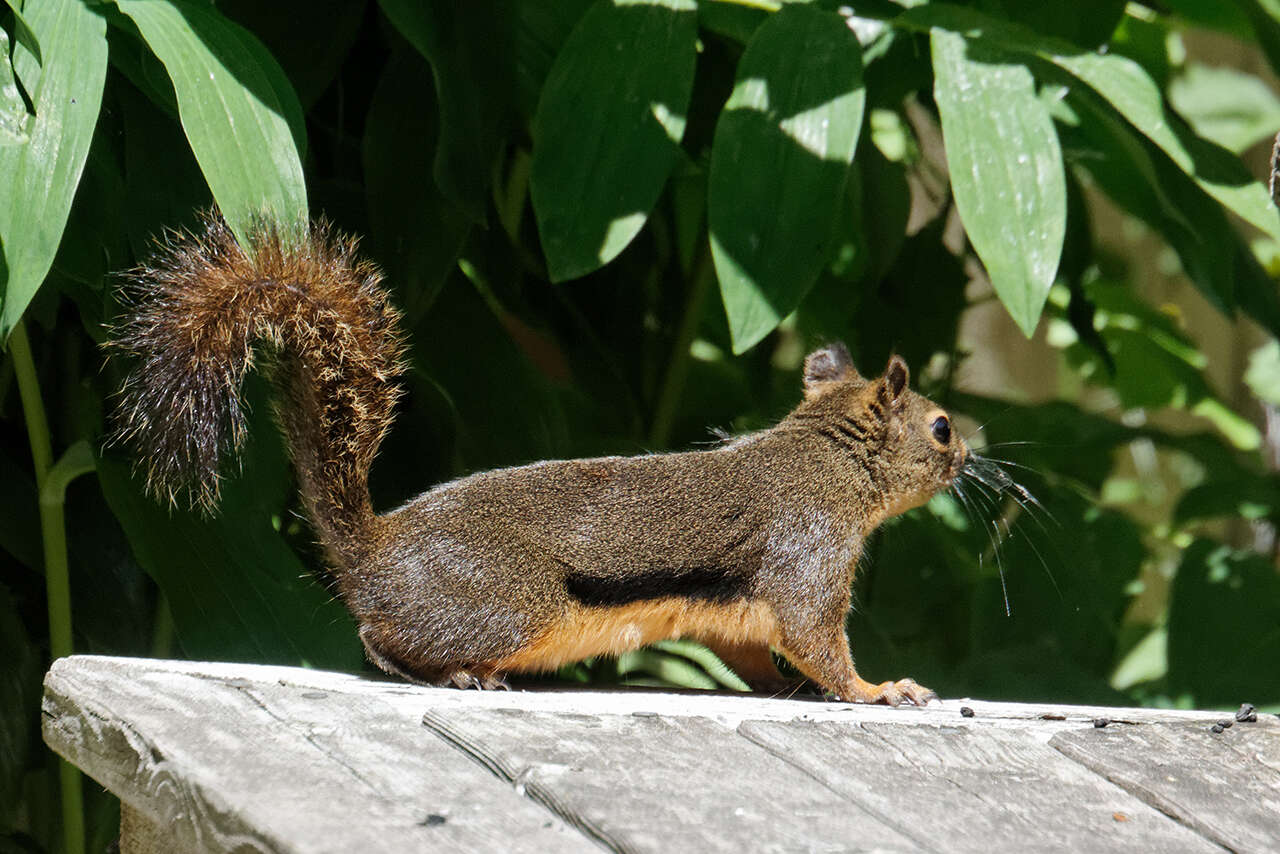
634 218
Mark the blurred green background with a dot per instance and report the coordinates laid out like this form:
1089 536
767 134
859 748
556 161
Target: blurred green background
616 227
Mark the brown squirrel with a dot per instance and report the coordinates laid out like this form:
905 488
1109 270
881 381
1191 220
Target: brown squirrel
746 546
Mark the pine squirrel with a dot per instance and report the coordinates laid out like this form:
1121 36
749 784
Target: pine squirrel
746 546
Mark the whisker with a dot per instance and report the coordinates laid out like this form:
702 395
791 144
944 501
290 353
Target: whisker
993 482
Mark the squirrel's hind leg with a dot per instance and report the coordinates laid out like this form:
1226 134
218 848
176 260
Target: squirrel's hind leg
752 662
485 678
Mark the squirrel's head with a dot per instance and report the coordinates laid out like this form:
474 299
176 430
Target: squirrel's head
907 440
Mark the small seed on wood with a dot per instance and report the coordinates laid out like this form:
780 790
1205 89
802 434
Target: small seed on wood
1119 816
966 712
1099 723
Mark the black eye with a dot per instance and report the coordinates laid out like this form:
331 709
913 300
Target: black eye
942 429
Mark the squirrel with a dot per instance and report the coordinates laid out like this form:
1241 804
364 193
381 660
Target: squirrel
746 546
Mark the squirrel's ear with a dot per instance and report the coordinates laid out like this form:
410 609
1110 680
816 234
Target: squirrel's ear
830 364
896 377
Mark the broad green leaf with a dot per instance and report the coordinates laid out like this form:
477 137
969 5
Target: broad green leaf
1222 623
608 129
309 38
780 163
1128 169
40 176
1006 170
13 110
1087 23
236 108
236 590
1263 373
469 48
166 189
1127 87
1264 17
23 33
415 232
1255 497
540 30
1232 108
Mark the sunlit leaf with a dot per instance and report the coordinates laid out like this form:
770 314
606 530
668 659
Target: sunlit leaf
1230 107
13 110
779 165
1006 170
1128 88
236 107
608 129
40 175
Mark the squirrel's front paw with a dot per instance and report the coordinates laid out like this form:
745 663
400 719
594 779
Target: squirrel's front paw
893 693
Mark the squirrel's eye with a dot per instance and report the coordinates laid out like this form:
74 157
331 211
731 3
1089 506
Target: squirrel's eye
942 429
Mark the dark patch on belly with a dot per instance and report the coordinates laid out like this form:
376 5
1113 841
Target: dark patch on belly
706 584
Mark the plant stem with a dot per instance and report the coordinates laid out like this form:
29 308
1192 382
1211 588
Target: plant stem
678 364
57 582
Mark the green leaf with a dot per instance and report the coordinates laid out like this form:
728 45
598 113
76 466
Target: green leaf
23 33
540 30
13 110
309 38
1232 108
1222 624
416 233
1127 87
166 189
237 108
1263 374
40 176
608 129
1148 185
1238 497
1264 17
236 590
779 165
1006 170
469 48
1142 182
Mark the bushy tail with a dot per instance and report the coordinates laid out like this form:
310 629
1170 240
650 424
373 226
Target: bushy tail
195 312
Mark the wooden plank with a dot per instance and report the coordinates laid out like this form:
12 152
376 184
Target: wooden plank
641 783
1225 785
965 788
239 764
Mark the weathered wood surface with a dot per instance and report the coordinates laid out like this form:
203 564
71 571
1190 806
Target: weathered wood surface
259 764
957 788
1224 785
217 757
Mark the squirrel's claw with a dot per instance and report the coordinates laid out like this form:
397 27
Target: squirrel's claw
894 693
467 680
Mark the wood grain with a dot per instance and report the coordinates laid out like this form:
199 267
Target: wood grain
967 789
647 783
1224 785
210 756
258 766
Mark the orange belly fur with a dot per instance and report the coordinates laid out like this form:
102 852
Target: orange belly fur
588 631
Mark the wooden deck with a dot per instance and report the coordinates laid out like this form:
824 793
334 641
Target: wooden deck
222 757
